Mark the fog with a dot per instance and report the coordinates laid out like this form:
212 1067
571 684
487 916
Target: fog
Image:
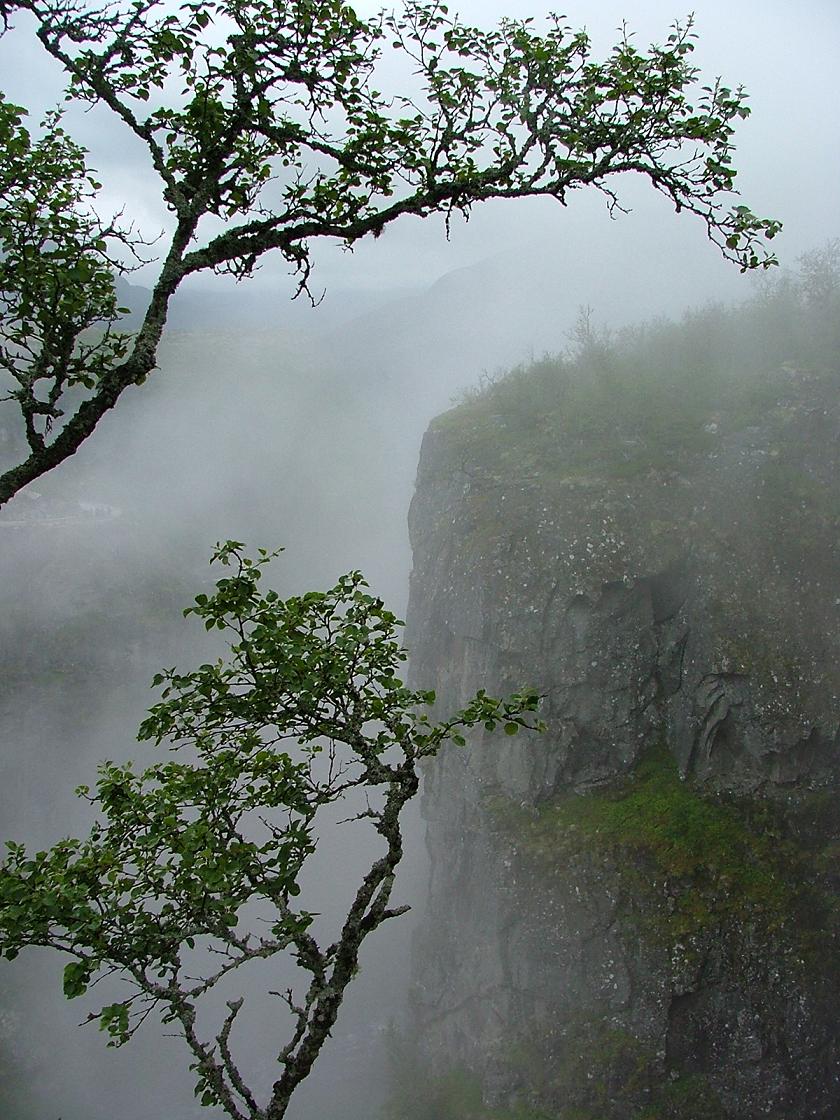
283 425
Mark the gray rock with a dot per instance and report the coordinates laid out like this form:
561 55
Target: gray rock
570 965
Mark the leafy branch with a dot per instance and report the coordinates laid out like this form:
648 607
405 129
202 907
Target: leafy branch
266 116
187 857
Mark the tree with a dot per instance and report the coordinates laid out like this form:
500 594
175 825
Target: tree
263 124
190 856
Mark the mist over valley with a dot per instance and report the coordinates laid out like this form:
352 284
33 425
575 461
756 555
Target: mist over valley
627 499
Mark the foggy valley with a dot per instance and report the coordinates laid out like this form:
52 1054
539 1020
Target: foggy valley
626 499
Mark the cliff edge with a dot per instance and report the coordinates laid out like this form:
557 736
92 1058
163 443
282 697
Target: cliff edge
635 916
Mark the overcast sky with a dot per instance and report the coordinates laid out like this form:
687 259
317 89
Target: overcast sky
788 152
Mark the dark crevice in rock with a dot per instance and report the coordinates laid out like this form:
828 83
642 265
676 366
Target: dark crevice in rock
669 591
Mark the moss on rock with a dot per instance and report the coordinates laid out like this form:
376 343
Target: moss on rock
599 1072
701 859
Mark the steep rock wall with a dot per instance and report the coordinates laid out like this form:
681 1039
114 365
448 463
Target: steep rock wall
634 915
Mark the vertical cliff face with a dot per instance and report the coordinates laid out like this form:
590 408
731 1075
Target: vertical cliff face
634 915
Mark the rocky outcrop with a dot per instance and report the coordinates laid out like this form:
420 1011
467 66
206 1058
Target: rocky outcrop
634 915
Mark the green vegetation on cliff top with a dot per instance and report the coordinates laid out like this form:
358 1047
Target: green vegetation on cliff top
710 440
648 398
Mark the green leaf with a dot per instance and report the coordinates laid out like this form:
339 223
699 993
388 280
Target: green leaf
76 978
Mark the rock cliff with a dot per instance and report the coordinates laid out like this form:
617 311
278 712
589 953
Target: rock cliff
634 915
